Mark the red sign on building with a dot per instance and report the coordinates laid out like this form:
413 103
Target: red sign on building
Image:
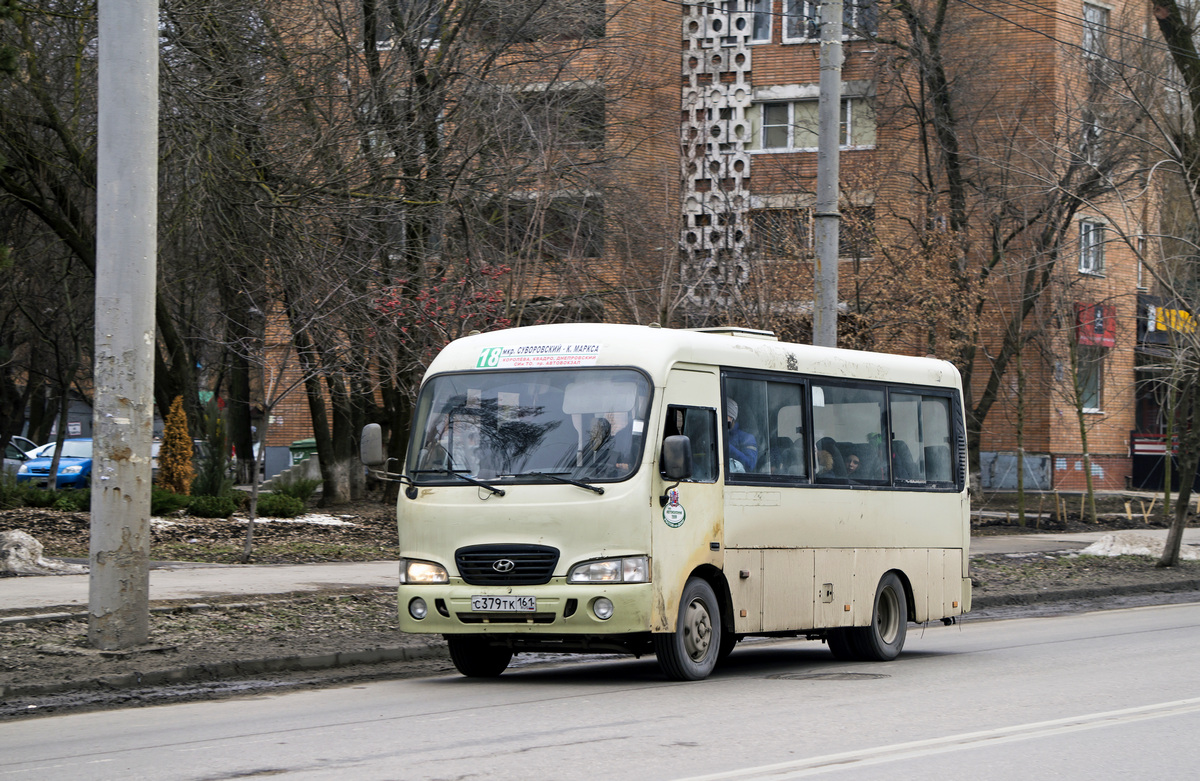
1096 325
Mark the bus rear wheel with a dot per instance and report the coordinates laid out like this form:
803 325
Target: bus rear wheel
883 640
690 652
474 657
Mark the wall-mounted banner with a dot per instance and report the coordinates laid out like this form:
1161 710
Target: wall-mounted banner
1159 319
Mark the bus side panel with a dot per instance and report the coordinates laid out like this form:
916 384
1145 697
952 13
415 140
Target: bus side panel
788 595
833 577
953 600
747 591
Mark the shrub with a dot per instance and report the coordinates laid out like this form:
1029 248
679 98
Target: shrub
175 472
75 500
212 506
213 477
280 506
38 497
301 488
164 502
12 493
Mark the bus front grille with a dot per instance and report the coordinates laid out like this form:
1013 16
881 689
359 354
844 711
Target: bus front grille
506 565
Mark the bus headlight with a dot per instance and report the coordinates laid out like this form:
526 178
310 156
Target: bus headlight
603 608
629 569
414 571
418 609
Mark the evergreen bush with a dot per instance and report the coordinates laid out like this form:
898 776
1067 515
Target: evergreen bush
280 506
212 506
301 488
213 477
164 502
12 493
175 471
73 500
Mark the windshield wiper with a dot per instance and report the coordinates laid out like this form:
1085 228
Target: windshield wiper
567 480
459 473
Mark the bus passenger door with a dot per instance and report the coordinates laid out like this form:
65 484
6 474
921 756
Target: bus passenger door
688 527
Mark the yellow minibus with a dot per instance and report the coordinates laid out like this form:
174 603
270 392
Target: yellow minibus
637 489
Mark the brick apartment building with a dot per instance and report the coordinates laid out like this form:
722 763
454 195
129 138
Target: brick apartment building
722 143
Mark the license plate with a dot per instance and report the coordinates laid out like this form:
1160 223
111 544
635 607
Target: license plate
504 604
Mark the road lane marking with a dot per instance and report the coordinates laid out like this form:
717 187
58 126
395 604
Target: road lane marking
812 766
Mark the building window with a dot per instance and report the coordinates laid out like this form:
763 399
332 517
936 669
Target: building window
525 21
1091 248
792 125
802 21
545 119
422 18
1141 263
1095 30
788 233
760 19
1090 381
556 227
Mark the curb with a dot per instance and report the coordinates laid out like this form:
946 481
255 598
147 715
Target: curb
1093 592
230 669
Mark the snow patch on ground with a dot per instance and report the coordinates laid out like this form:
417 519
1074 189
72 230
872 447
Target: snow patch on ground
318 519
1135 544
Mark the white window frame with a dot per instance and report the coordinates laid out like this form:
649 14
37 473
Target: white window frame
810 9
845 123
1091 247
759 10
1141 263
1090 363
1095 30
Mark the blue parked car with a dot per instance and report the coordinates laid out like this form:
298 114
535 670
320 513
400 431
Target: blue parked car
74 467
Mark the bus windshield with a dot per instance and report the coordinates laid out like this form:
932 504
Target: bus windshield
539 426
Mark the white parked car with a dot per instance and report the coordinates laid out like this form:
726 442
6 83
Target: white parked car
17 453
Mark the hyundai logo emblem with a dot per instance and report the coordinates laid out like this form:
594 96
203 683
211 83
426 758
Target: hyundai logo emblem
504 565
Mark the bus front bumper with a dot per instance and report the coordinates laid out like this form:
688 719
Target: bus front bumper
555 608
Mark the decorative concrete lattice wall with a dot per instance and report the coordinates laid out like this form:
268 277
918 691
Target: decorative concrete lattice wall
716 166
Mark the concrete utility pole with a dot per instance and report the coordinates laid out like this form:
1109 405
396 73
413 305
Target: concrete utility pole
126 266
827 216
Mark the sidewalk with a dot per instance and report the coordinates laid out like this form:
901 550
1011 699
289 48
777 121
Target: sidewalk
34 595
171 582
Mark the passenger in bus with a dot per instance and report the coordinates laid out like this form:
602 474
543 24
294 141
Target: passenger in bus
743 447
836 469
825 464
852 464
599 448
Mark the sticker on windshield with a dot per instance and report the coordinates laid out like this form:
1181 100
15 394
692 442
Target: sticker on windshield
562 354
673 514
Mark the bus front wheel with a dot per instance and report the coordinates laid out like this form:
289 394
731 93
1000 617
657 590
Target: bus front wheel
690 652
475 658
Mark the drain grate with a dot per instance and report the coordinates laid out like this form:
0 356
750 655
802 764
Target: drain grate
827 676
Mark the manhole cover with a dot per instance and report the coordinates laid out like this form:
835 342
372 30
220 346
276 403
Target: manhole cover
826 676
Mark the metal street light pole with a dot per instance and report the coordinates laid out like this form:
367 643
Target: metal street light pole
126 264
827 217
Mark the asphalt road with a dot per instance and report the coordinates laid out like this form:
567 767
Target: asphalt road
1107 695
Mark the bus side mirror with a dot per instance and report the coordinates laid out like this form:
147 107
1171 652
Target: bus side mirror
370 447
676 459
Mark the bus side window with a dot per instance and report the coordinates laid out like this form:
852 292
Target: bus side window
699 425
